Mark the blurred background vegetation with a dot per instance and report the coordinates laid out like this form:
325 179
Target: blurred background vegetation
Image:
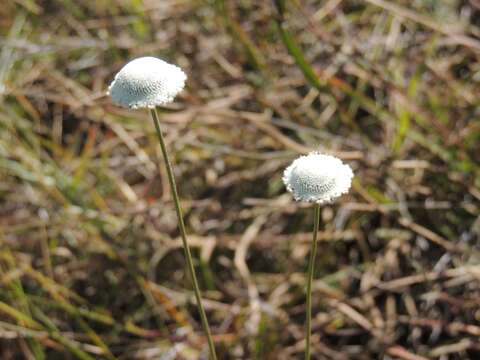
91 265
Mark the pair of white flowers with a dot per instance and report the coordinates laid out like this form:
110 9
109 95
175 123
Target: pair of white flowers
148 82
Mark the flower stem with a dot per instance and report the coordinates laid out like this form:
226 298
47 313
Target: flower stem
181 225
311 267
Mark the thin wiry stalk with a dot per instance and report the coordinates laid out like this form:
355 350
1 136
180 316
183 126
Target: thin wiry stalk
183 233
311 268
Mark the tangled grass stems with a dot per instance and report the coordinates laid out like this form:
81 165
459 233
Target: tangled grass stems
311 270
183 233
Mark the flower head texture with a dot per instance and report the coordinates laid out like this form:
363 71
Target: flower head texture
317 178
146 82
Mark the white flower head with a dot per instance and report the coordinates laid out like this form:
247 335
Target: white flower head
317 178
146 82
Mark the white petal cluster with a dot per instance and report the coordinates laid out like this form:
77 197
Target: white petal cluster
146 82
317 178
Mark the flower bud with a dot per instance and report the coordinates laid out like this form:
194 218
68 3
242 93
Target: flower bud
317 178
146 82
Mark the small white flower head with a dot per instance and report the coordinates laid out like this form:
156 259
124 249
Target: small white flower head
146 82
317 178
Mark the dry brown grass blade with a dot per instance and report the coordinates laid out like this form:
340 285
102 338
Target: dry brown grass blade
241 264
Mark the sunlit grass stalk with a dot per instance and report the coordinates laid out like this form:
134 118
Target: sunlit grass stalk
254 55
310 274
183 233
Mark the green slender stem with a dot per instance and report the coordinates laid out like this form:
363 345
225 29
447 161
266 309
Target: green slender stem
311 267
181 225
